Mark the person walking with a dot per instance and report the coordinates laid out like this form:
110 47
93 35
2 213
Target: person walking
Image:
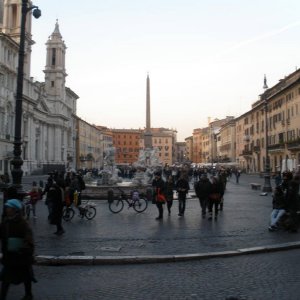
203 189
237 174
57 198
215 197
17 248
46 192
182 188
169 193
159 194
34 195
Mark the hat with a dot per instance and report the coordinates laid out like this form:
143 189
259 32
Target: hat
14 203
157 173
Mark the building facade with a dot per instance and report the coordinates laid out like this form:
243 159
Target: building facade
196 156
180 153
189 148
127 145
281 103
226 143
92 142
49 107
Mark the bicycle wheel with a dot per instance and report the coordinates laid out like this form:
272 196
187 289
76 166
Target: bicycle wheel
116 206
90 212
68 213
140 205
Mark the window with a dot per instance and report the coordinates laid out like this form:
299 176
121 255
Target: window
2 79
53 58
280 138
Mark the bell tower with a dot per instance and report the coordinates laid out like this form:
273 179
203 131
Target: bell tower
55 71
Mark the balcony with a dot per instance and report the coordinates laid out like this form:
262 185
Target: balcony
276 147
247 153
294 144
256 149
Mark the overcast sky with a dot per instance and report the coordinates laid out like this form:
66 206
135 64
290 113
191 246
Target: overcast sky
204 58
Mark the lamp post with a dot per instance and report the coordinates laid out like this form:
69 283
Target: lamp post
17 161
267 183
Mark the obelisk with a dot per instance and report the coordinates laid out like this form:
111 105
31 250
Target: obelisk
148 134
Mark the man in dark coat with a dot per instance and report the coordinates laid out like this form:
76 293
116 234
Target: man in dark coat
215 196
56 198
203 189
182 187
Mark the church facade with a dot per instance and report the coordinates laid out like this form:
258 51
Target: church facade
49 107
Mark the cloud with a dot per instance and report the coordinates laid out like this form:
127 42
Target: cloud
258 38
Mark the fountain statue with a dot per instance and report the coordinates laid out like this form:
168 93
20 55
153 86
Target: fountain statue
110 173
147 163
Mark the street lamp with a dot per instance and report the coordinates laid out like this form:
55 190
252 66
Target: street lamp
17 161
267 183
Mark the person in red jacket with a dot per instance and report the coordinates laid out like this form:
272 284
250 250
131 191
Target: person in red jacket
159 193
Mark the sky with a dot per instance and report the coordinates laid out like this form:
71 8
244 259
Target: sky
204 58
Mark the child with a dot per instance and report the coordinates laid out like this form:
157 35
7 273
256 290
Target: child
279 206
35 195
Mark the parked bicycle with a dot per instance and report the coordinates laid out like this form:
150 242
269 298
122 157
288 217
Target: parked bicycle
87 210
139 204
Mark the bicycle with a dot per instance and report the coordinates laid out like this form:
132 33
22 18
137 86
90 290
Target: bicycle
87 210
27 206
138 204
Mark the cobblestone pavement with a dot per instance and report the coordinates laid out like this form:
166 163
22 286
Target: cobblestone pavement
242 224
270 276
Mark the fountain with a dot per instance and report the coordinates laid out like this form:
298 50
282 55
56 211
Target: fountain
145 166
110 182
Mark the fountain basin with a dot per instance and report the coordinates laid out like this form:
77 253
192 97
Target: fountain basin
101 192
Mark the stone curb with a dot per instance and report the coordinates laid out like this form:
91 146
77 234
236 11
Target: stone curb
44 260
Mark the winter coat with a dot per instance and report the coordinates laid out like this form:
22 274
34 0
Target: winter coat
169 190
17 249
203 188
56 201
292 196
279 201
158 184
182 187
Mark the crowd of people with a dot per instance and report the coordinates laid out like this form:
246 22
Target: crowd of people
210 191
